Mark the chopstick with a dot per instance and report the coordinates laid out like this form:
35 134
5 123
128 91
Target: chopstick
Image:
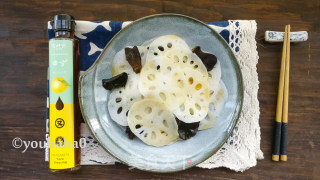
281 120
284 126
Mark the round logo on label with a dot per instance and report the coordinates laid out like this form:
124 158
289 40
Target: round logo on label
59 123
59 141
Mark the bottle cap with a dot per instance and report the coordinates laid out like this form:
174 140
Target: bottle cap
64 22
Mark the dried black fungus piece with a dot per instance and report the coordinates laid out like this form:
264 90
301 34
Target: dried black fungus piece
187 130
130 133
209 60
134 58
115 82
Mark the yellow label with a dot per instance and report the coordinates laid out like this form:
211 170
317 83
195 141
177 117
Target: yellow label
61 133
61 110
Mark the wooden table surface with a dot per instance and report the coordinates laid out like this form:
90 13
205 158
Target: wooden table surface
23 71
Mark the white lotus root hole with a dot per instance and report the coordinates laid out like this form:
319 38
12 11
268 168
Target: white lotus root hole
119 110
164 133
163 96
169 68
169 45
180 83
198 87
153 135
138 117
165 123
160 48
176 59
198 107
118 99
211 92
148 110
184 59
151 77
191 111
190 80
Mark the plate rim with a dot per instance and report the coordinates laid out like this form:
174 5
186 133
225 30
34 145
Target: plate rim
238 107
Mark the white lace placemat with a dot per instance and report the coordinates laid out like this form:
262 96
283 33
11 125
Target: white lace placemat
242 149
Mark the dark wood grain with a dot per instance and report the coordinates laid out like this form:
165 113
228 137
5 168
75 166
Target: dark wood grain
24 61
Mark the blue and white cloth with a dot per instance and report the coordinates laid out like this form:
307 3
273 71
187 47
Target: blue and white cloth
94 36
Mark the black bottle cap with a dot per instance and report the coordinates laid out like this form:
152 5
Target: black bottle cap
64 22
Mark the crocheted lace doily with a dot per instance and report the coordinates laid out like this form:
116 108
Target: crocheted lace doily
242 149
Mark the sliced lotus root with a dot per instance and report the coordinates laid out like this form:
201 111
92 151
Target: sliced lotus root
162 44
163 84
183 59
214 77
218 99
120 63
195 108
215 107
153 123
121 99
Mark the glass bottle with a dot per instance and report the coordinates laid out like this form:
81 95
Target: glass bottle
64 112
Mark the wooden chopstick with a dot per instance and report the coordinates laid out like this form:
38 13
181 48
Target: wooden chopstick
284 126
278 119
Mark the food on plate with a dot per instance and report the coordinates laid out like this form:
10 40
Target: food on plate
152 122
129 133
170 91
121 64
115 82
187 130
209 60
134 59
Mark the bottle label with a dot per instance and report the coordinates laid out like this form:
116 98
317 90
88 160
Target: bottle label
61 109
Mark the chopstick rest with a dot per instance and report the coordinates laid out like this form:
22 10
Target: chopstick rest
276 36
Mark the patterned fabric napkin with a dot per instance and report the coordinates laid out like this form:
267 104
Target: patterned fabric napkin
242 149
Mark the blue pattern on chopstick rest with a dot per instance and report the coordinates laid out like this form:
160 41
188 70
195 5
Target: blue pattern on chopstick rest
93 37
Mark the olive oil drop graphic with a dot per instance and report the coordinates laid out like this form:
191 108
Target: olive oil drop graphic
64 113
